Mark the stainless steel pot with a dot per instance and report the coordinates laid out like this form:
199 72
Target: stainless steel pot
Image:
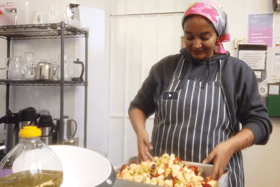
45 71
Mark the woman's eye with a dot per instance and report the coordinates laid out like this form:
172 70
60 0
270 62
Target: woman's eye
188 37
205 38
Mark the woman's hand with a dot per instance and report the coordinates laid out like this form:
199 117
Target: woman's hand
220 155
138 120
144 146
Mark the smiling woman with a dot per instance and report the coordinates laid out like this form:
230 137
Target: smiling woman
200 37
216 92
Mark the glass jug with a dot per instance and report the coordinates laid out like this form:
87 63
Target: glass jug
80 78
29 64
31 163
16 70
73 15
7 61
12 14
67 69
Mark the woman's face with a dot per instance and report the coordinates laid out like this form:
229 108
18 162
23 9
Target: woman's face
200 37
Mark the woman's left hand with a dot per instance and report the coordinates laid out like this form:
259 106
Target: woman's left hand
220 155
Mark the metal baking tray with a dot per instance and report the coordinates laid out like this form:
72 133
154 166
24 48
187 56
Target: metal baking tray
207 168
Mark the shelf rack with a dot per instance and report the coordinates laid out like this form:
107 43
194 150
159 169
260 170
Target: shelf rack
39 83
47 31
40 31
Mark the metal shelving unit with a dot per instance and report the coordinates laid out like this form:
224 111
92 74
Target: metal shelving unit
40 31
47 31
39 83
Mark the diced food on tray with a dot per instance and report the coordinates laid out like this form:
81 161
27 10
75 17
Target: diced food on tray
167 171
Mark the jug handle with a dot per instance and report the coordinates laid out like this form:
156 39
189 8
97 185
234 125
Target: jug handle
83 69
67 9
50 133
7 62
25 66
75 128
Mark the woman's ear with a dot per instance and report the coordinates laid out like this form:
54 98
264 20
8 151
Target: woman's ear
217 41
216 48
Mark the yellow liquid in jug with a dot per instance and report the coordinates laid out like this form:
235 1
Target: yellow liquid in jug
46 178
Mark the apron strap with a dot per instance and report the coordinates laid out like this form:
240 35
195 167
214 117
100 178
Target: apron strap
219 72
219 79
178 70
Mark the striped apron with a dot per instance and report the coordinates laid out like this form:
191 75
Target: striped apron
191 126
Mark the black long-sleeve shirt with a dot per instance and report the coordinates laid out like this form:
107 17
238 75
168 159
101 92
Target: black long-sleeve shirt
238 81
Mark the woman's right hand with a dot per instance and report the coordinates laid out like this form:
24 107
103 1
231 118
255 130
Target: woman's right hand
138 120
144 146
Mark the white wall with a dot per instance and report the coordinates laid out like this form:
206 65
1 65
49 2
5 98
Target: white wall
139 41
262 162
98 94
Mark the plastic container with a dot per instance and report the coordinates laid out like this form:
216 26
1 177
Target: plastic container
31 163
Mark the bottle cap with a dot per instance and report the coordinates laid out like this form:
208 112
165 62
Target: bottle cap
30 132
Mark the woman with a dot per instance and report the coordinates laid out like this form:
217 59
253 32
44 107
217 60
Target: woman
215 94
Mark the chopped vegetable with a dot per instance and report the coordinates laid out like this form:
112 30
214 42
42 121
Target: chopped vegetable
167 171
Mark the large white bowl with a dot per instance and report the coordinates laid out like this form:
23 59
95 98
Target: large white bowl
83 167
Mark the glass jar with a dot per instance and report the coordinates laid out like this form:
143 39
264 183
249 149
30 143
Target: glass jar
25 9
29 65
12 13
67 69
16 69
31 163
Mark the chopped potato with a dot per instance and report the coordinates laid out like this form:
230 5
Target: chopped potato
166 171
161 182
153 181
169 183
147 180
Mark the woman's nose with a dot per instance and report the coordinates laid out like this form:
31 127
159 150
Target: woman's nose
196 44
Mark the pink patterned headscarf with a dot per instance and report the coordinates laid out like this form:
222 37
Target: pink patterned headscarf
216 15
